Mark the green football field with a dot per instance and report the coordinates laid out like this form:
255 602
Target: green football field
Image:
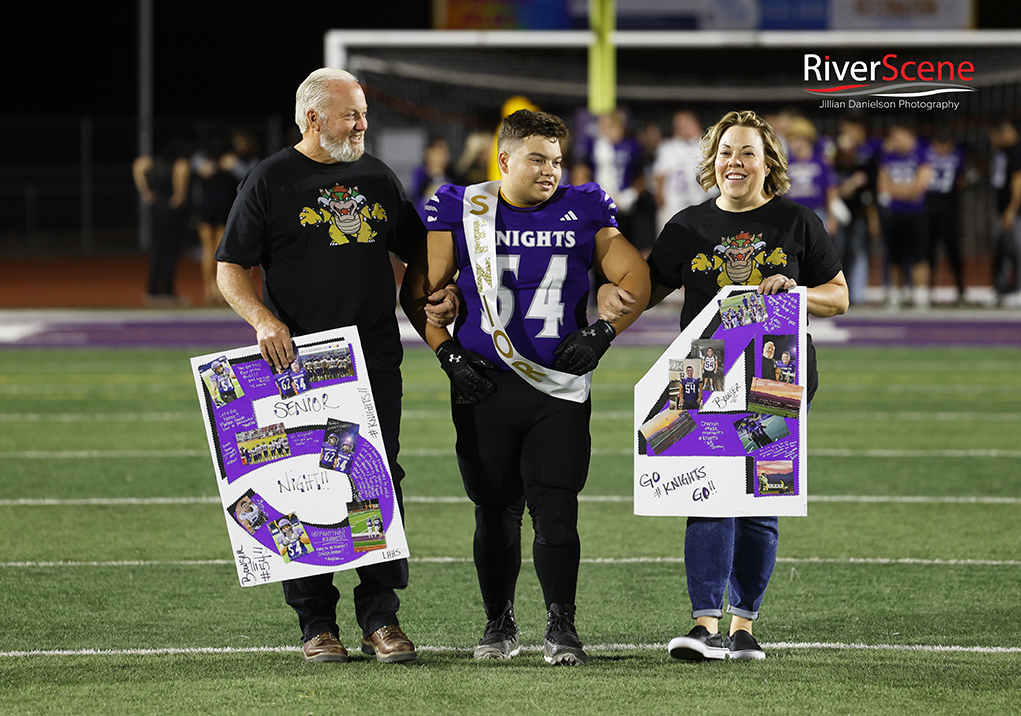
900 593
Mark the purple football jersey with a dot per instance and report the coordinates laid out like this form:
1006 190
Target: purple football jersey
544 254
902 169
810 180
945 168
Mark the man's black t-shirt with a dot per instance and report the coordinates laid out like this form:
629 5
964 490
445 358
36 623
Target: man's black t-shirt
705 248
322 234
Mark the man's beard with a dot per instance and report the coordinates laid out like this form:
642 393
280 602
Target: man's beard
341 150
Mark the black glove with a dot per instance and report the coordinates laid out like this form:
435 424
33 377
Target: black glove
580 352
461 366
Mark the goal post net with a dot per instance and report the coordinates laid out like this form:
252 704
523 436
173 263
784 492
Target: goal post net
453 84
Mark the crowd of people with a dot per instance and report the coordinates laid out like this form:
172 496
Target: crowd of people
889 197
190 192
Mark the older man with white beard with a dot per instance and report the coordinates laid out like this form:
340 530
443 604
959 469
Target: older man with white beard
321 219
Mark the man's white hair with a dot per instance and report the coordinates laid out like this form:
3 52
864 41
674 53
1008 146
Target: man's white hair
313 93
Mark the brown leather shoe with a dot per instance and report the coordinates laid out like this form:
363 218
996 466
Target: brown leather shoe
325 647
390 645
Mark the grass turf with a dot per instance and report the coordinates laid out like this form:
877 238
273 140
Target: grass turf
875 606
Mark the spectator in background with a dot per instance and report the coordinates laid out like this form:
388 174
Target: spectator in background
643 224
431 174
473 165
1006 180
904 178
615 161
813 179
245 146
163 181
675 171
855 161
941 205
217 186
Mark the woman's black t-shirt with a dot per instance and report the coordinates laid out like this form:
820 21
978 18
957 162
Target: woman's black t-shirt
704 248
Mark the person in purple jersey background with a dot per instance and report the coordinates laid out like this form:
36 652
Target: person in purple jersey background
902 183
813 179
942 205
614 160
521 349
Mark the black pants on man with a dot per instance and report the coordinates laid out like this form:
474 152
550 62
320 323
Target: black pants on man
314 599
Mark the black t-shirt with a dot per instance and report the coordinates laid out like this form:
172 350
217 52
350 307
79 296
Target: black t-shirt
705 248
322 234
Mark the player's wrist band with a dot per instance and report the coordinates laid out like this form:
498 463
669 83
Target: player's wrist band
607 328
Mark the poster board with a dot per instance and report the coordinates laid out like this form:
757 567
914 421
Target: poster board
720 417
299 459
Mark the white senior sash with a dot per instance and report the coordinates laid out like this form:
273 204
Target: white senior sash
479 219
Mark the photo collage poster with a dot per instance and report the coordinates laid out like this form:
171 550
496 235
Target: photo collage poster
299 459
720 418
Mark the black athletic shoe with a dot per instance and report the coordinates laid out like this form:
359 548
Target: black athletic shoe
500 640
699 644
742 645
562 645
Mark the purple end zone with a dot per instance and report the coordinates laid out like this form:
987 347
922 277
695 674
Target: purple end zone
222 330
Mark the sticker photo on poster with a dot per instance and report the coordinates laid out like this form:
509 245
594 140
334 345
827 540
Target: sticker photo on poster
219 379
742 310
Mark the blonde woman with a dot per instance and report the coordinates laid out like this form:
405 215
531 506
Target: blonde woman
748 235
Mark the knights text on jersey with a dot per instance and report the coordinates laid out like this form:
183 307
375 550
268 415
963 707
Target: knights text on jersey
543 253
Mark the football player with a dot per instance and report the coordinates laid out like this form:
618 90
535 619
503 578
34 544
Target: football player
520 359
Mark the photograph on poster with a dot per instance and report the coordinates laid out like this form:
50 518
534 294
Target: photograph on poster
331 362
263 444
339 445
666 428
366 523
779 358
742 309
248 513
685 385
774 477
710 354
219 379
775 397
291 379
760 429
291 539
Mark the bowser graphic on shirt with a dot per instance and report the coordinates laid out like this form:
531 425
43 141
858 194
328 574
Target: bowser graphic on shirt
348 213
738 259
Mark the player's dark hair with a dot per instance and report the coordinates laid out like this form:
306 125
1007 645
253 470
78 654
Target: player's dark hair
524 123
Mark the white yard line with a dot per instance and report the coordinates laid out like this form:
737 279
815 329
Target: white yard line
430 415
593 560
449 452
594 648
461 499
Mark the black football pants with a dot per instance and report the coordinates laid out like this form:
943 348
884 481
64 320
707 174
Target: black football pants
522 447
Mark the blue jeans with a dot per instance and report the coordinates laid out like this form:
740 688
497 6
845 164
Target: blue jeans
735 551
